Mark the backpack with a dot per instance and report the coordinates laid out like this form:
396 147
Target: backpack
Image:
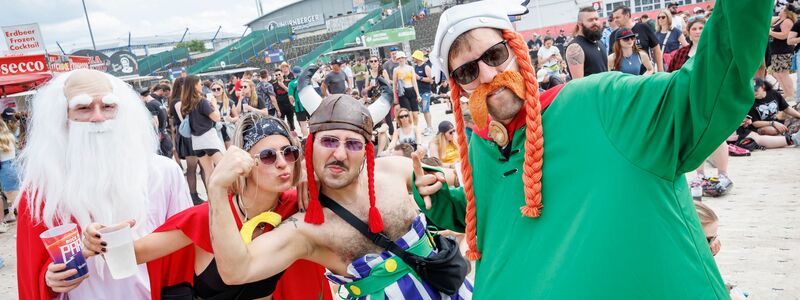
749 144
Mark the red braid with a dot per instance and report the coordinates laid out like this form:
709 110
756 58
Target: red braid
314 213
466 171
534 143
375 220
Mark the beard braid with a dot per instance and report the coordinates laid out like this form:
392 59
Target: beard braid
477 101
82 172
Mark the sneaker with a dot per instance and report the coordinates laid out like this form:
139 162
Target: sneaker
717 186
696 185
734 150
796 138
10 217
427 131
4 227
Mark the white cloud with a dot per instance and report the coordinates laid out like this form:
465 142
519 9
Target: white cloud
64 21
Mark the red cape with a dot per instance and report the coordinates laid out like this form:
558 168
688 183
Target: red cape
302 280
32 257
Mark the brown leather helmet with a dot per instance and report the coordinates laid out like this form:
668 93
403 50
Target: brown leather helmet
341 112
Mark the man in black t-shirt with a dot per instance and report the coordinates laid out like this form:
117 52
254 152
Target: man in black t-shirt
645 36
533 47
285 106
158 110
561 42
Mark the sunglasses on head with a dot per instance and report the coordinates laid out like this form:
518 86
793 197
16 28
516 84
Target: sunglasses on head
269 156
493 57
331 142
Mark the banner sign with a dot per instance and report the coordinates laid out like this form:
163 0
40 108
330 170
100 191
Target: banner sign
22 39
66 63
19 65
97 60
123 63
389 36
274 56
299 24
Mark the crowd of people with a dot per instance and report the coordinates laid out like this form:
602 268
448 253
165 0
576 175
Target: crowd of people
308 172
643 46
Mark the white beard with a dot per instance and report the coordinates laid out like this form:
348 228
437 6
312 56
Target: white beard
106 175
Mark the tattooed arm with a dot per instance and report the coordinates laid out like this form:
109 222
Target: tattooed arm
575 59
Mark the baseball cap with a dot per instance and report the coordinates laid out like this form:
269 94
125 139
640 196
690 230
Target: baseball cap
337 61
698 10
8 113
296 70
625 33
540 76
399 54
672 4
392 49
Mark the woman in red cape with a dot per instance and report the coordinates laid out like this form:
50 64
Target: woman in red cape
179 254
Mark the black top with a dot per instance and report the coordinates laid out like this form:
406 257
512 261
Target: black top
281 94
174 113
778 46
199 119
595 60
159 110
645 37
260 104
209 285
424 87
669 41
767 109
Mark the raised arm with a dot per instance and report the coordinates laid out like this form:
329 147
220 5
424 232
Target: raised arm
267 255
682 117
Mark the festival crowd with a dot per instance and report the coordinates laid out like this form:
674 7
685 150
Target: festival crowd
336 179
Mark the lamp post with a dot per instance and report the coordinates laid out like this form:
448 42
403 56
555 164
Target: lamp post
91 35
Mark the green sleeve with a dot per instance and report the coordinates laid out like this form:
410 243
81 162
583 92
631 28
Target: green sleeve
668 124
448 206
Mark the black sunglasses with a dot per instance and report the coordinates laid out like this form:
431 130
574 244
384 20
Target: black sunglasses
493 57
662 17
629 38
451 132
216 89
334 142
403 116
710 239
269 156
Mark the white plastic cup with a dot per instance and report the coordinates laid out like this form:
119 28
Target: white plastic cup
119 256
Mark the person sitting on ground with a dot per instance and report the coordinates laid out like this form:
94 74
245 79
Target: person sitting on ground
403 150
546 81
762 125
444 145
710 223
626 57
406 132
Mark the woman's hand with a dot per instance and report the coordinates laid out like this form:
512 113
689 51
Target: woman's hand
56 278
93 243
234 163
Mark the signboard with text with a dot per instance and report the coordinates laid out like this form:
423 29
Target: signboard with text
389 36
299 24
23 39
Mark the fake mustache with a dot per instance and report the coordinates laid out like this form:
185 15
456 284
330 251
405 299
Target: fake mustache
511 80
339 164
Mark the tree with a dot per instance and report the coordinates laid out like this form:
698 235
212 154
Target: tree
193 45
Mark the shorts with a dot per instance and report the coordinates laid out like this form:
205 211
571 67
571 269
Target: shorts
207 143
204 152
8 176
409 100
302 116
781 62
426 102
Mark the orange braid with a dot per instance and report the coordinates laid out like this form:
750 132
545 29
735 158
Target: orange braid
466 171
534 143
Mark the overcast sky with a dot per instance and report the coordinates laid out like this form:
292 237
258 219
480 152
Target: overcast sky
64 21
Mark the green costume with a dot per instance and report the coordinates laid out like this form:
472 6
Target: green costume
618 220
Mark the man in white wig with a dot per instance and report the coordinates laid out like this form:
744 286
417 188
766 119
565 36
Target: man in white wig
90 157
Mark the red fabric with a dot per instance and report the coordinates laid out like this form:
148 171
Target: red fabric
178 267
32 257
545 99
679 58
12 84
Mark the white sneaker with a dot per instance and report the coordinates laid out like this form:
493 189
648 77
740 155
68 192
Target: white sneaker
4 227
696 186
427 131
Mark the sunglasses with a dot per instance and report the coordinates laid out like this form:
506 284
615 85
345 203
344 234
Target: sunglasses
662 17
711 239
630 38
403 116
372 61
451 132
269 156
216 89
334 142
493 57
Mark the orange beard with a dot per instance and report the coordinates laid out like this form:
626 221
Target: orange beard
477 101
